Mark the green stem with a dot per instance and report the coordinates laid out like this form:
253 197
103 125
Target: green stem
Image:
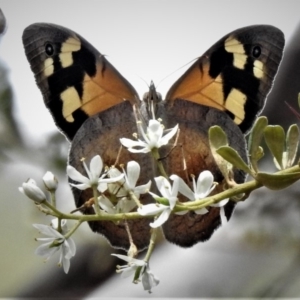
73 229
96 205
151 245
53 198
134 198
59 229
160 166
239 189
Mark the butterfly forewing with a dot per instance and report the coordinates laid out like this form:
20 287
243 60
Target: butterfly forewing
75 79
234 75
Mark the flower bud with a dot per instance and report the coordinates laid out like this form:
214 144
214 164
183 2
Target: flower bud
32 191
50 181
133 251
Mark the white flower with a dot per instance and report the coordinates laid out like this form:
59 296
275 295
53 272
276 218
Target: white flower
121 189
56 242
149 280
94 178
123 205
131 178
201 189
128 183
169 192
50 181
152 139
131 267
153 209
32 191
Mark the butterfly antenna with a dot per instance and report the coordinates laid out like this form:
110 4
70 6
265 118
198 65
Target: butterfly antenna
143 81
164 78
294 111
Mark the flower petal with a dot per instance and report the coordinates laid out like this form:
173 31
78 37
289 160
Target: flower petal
149 280
137 262
133 173
81 186
106 205
154 133
142 189
45 250
163 217
69 248
114 172
96 166
112 179
66 264
183 188
204 184
124 205
221 203
50 181
151 209
201 211
155 126
128 143
102 187
75 175
165 139
163 186
32 191
129 271
49 231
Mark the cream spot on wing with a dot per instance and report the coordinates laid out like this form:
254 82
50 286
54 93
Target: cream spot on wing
66 59
232 45
48 67
235 103
71 102
239 60
68 47
236 47
71 45
258 69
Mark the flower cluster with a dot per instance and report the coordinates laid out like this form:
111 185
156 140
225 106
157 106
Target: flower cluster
116 191
201 189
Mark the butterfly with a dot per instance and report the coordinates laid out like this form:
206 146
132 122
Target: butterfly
93 105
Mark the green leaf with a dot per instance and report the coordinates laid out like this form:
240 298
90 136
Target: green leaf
292 142
217 137
275 139
232 156
276 181
255 137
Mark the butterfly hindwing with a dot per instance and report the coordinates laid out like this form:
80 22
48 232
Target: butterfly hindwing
235 75
99 135
75 79
193 155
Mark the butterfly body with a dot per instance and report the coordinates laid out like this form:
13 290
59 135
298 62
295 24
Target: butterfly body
93 105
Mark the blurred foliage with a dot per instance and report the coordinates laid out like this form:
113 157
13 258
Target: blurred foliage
9 132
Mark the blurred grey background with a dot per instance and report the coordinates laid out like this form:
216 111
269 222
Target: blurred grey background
255 255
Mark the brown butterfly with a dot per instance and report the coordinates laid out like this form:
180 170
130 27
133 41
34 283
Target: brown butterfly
92 104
